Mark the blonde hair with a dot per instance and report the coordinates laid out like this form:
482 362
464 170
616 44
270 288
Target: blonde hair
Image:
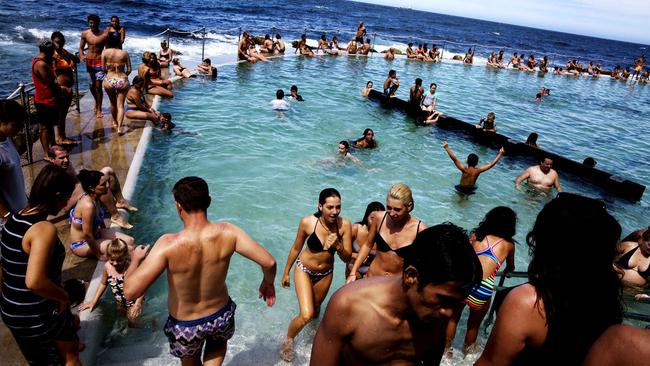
117 250
402 192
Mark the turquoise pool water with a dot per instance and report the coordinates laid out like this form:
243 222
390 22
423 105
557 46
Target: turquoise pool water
265 169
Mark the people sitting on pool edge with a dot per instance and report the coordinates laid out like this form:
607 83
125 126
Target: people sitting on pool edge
294 94
470 172
136 104
488 124
541 177
207 69
279 104
391 84
367 141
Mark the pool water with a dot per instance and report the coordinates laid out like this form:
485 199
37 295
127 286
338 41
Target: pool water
265 169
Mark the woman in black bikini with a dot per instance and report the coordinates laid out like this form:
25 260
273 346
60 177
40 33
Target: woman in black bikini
634 261
392 231
325 234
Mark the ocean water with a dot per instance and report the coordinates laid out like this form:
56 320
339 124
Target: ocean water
265 168
23 23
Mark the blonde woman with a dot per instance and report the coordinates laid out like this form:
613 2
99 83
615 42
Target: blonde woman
392 231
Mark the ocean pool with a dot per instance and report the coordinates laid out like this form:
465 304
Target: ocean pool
265 169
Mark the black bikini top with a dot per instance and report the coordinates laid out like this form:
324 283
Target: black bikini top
624 262
382 246
314 244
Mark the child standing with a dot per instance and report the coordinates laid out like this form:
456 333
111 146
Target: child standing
113 276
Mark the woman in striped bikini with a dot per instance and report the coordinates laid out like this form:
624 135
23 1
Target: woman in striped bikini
494 244
35 307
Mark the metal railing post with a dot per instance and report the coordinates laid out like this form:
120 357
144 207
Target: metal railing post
28 126
239 36
168 38
76 87
203 46
372 45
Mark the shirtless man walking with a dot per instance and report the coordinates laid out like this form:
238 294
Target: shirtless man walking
470 172
541 177
400 319
196 260
94 39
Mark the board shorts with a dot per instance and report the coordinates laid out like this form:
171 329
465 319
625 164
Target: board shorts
187 337
94 68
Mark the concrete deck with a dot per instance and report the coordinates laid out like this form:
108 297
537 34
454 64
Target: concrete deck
100 146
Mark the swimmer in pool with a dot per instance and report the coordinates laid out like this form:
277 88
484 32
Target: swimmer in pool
541 177
365 91
470 172
279 104
390 54
344 151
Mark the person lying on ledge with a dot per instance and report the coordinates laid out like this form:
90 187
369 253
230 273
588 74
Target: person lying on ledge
470 172
136 104
180 70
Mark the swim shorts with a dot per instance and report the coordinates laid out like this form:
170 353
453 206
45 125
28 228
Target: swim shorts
465 190
46 115
186 337
94 68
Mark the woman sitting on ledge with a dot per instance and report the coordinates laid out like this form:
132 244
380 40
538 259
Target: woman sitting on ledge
154 82
88 234
136 104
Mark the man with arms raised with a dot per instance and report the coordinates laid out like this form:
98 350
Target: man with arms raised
196 259
541 177
95 40
400 319
470 172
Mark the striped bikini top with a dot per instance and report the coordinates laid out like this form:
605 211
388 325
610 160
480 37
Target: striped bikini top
489 252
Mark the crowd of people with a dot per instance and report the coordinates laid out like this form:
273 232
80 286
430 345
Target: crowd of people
406 282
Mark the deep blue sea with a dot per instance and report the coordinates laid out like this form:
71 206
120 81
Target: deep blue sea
22 23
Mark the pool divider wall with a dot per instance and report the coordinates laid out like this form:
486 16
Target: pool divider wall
614 184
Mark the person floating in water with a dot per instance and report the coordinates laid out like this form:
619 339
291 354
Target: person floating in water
400 319
367 141
470 172
344 151
365 91
279 104
543 92
196 259
532 140
391 84
541 177
294 94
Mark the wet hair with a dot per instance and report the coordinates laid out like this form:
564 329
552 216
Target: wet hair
472 160
323 196
532 139
442 253
89 179
113 40
402 192
372 143
433 84
192 194
392 72
278 36
590 162
574 237
57 34
167 115
117 250
418 82
294 87
279 94
372 207
94 17
137 80
208 61
12 111
500 221
51 187
369 82
345 144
